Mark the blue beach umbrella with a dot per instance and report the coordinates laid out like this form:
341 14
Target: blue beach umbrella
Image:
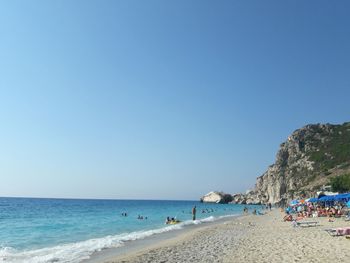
323 198
313 200
342 197
327 198
294 202
338 197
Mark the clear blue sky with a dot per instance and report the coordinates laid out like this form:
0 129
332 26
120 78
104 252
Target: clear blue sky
162 99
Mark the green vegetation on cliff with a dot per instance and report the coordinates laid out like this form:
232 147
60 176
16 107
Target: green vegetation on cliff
332 147
341 183
310 157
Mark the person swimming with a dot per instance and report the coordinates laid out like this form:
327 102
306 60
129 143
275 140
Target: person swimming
171 221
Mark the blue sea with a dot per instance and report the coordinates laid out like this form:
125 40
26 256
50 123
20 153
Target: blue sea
71 230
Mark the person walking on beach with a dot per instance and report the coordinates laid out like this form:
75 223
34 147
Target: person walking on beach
194 210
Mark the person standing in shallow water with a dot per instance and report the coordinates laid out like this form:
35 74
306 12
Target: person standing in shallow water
194 210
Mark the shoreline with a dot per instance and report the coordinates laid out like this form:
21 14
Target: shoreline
153 242
251 238
176 242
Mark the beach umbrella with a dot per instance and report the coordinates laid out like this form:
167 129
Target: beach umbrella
327 198
294 202
338 197
342 197
323 198
313 200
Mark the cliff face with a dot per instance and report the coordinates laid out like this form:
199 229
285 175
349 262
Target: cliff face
305 162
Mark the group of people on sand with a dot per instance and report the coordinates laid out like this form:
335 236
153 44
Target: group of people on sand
314 210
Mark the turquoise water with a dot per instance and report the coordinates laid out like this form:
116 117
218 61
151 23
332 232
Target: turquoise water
64 230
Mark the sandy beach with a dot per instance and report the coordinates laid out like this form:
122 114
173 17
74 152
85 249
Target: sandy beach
261 238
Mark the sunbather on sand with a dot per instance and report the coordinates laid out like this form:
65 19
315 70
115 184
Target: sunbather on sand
287 217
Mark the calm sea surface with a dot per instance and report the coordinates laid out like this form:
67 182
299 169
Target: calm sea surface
70 230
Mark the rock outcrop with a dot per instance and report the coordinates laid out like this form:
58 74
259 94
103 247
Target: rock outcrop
223 198
216 197
249 198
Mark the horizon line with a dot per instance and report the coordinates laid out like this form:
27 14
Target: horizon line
102 199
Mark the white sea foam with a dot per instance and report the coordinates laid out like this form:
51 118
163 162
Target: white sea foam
76 252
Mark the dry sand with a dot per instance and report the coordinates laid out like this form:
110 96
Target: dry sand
250 239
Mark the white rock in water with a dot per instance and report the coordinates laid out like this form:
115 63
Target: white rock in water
212 197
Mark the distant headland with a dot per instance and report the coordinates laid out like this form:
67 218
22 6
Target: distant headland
305 164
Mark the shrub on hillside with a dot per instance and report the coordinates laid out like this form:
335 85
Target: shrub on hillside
341 183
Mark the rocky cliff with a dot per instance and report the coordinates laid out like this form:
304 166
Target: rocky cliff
306 161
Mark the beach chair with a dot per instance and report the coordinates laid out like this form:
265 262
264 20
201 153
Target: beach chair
331 231
307 223
340 231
